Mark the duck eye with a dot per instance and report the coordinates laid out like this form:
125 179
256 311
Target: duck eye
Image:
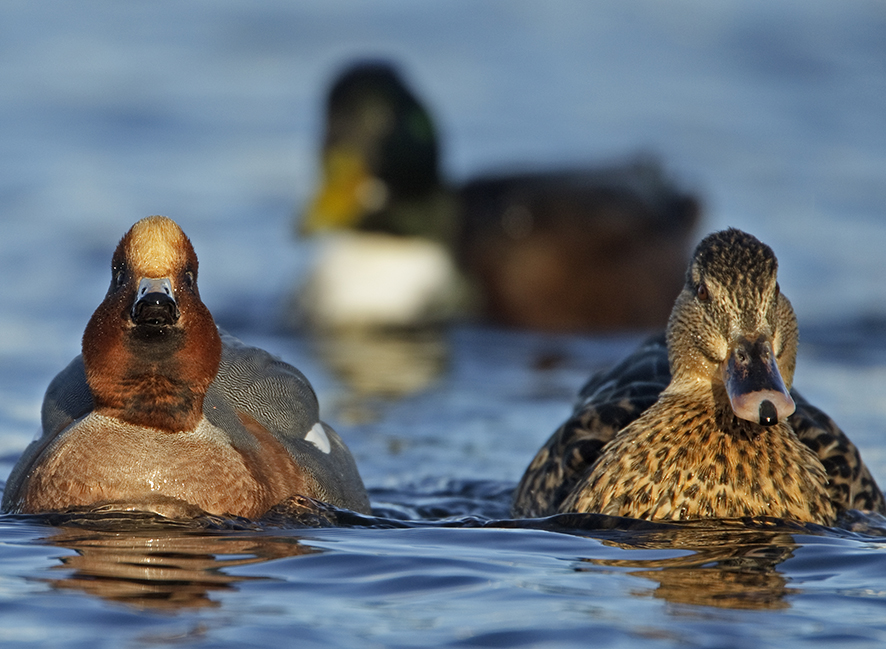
702 293
119 278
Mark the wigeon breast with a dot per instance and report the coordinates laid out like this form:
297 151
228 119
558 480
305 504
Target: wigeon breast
164 413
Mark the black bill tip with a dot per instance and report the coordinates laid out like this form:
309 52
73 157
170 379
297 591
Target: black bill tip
155 310
768 413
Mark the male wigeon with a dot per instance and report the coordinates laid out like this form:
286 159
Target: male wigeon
164 413
582 248
704 425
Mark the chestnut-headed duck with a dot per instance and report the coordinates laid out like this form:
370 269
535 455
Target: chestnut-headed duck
162 412
577 249
702 423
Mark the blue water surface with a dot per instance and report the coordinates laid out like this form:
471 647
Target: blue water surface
210 113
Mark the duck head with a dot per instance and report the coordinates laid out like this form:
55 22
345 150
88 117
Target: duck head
380 146
733 330
151 348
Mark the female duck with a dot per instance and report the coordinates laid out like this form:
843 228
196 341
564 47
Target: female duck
163 413
705 427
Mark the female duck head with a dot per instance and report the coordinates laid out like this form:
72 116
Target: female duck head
732 329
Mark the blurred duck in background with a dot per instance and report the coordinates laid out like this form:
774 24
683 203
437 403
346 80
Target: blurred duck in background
580 250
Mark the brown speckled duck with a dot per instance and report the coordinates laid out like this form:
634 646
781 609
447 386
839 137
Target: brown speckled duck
588 248
703 425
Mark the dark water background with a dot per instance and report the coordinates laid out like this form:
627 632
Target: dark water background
209 112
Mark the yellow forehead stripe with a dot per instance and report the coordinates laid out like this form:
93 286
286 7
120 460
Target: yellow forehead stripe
156 247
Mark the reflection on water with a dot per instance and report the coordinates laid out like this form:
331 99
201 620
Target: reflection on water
384 364
166 567
374 572
145 560
729 564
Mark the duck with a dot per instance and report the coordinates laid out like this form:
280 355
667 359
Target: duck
702 422
573 249
163 412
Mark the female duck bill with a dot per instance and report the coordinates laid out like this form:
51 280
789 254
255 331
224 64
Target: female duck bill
754 384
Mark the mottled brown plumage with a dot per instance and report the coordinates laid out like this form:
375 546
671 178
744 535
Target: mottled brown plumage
658 436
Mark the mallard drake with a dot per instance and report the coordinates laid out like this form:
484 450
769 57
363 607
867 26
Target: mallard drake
561 250
701 424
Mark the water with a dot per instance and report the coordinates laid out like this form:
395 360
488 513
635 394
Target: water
210 113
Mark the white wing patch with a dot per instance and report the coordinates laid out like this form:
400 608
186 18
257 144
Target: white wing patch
317 436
